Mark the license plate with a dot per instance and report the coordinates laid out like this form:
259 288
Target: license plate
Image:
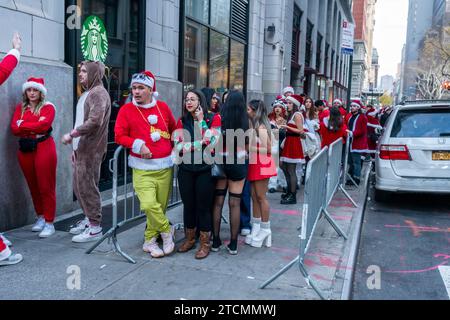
441 156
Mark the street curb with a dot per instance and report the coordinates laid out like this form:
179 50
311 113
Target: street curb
351 262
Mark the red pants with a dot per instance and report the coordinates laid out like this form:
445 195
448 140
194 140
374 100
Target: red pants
39 168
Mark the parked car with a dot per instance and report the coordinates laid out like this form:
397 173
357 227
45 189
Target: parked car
414 150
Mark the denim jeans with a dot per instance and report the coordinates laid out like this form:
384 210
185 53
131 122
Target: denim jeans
355 163
246 206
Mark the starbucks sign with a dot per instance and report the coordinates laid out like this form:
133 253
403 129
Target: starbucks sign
94 41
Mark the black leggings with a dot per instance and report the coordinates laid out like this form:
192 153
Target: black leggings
197 193
289 170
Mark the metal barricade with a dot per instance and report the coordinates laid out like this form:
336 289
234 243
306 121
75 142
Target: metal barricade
323 173
128 213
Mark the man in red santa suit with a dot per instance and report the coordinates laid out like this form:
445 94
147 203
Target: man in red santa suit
357 124
145 127
373 126
7 65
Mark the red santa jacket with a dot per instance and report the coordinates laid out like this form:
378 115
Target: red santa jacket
151 125
30 125
8 64
359 132
372 124
329 136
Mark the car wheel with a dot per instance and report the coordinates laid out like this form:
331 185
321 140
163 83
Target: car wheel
382 196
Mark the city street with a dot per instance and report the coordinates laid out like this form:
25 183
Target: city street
408 238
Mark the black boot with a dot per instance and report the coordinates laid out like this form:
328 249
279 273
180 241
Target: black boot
290 199
284 196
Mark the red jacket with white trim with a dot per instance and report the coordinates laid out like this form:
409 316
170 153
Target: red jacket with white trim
30 125
151 125
8 64
359 131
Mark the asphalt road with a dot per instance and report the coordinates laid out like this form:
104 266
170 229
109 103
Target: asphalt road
404 251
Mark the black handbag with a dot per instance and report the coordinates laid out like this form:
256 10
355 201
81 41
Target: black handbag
217 171
27 145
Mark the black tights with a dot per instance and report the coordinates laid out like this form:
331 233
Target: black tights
289 170
234 202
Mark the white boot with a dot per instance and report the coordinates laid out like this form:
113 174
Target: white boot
256 226
168 244
264 237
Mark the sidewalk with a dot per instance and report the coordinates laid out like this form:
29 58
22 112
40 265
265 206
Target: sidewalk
106 275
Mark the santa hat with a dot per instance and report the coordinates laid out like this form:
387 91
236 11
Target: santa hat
147 79
372 111
279 102
338 101
295 99
288 90
356 103
35 83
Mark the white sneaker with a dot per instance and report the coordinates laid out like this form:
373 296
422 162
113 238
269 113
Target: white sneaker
80 227
48 231
11 260
39 225
5 241
168 244
152 247
89 235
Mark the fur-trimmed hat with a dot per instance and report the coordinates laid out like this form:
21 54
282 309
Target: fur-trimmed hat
295 99
356 103
147 79
35 83
288 90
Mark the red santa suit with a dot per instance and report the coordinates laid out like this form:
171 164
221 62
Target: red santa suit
372 125
358 127
38 166
329 136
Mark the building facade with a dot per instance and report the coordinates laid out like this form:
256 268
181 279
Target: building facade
257 46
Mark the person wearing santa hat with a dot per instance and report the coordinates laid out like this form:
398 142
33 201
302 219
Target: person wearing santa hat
7 66
292 153
287 92
32 123
373 126
357 124
339 104
89 140
145 127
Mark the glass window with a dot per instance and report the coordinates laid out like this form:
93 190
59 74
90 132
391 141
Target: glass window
237 65
219 56
220 15
198 9
421 124
196 56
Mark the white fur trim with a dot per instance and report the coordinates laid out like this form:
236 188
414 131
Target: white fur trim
373 114
153 119
289 160
360 151
294 101
156 136
19 122
326 121
5 253
155 94
137 145
288 90
34 85
149 82
374 126
146 106
15 53
150 164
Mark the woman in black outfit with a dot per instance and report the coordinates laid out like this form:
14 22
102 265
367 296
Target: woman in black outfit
235 165
196 130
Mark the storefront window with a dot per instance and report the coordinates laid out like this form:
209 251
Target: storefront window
198 9
195 56
218 70
237 65
220 15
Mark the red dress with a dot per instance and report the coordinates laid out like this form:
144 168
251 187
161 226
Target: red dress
292 149
261 166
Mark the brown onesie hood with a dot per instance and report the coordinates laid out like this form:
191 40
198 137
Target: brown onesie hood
95 71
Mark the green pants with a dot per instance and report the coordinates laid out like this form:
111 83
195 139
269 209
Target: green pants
153 190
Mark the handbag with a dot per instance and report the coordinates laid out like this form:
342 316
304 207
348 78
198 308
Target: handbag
27 145
217 171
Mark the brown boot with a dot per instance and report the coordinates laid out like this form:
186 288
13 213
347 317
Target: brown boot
205 246
189 243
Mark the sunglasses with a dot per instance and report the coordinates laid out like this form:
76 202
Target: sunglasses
140 76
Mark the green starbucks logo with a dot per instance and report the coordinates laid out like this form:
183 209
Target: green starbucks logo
94 41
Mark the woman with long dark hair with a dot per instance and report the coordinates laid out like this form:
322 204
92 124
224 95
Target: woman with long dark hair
333 128
261 169
196 130
235 166
292 153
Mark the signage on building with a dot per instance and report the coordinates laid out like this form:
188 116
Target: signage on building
348 33
94 40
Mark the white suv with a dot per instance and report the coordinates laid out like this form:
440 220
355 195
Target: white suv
414 151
